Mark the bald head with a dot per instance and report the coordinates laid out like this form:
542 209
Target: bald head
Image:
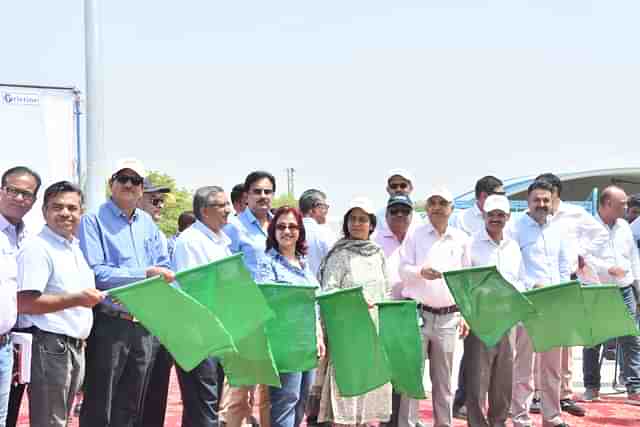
612 204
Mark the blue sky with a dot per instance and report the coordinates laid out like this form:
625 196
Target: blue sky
207 91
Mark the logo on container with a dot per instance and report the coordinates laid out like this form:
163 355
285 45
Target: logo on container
15 98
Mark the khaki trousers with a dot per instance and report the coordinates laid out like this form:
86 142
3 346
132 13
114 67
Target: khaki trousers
237 404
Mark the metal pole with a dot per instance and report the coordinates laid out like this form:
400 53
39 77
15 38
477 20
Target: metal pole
96 170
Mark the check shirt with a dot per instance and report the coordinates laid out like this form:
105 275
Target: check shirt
11 238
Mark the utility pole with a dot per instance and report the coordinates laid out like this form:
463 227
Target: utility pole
291 181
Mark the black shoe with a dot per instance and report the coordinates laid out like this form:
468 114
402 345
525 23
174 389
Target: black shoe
460 412
561 425
568 405
535 406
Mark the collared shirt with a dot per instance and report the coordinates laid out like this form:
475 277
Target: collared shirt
11 238
320 239
198 245
381 220
248 237
620 251
391 247
426 247
275 268
585 236
505 255
53 265
635 229
468 220
543 251
119 250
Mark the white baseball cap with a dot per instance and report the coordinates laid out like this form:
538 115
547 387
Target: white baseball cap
442 192
133 164
497 202
401 173
363 203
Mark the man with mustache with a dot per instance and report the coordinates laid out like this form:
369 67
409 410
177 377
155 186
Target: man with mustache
490 370
399 183
425 253
545 261
122 245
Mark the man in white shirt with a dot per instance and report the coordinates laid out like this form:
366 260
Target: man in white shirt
545 263
202 243
399 182
320 238
18 194
620 264
490 370
398 218
472 221
632 216
425 253
56 291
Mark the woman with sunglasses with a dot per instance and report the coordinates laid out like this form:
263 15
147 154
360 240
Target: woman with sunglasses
355 260
285 263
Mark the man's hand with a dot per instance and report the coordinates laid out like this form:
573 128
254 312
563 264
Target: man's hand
616 271
463 328
168 275
322 349
88 297
430 274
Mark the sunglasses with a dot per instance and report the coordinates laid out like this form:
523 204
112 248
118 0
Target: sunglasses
399 185
399 211
259 191
283 227
157 202
123 179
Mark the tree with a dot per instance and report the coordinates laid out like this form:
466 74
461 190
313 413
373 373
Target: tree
284 199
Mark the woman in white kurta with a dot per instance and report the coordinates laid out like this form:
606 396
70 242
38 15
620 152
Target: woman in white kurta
356 261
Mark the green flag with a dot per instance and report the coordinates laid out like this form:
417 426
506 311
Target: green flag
188 330
561 319
608 314
400 336
489 304
292 332
354 346
225 287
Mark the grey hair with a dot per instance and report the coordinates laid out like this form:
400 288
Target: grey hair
309 198
202 198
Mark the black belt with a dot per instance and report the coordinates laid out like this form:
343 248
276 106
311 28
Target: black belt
439 310
4 339
75 342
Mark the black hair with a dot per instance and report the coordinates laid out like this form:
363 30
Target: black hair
185 219
61 187
236 192
540 185
487 185
258 175
22 170
551 179
345 226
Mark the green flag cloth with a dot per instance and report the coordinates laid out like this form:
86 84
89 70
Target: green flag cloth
292 332
355 350
188 330
401 340
225 287
607 312
561 319
489 303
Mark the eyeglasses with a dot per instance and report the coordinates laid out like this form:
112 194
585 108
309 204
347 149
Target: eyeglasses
283 227
14 192
157 202
398 185
260 191
321 205
123 179
399 211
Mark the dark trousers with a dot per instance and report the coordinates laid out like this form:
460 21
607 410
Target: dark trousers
489 375
118 359
199 389
15 398
155 401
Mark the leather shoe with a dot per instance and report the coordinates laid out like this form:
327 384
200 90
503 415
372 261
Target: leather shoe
568 405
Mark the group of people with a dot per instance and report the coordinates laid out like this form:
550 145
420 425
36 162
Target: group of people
54 286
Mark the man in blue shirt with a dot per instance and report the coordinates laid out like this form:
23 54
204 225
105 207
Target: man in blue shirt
122 245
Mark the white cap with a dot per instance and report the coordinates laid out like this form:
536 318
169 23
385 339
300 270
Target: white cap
442 192
362 203
133 164
497 202
401 173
